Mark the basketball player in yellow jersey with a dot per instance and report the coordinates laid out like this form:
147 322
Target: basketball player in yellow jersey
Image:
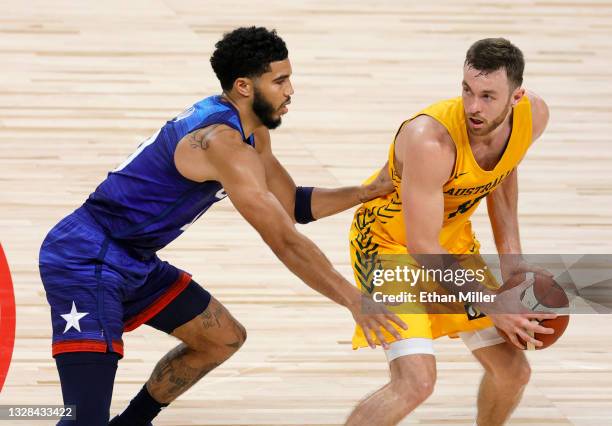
443 162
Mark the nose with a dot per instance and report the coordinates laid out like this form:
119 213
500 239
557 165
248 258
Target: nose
473 106
289 89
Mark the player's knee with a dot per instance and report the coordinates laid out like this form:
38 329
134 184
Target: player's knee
233 337
522 374
413 393
515 374
236 338
423 390
242 334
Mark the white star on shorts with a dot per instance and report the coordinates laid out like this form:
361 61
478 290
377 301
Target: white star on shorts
72 318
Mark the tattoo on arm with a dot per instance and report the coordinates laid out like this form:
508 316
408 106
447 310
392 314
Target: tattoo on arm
201 138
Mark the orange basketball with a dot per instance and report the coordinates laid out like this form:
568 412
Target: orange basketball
544 293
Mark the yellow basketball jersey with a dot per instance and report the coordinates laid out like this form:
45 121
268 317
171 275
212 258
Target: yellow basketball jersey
378 226
469 183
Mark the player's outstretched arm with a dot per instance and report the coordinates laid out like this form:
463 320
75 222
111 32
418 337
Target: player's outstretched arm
241 172
329 201
318 202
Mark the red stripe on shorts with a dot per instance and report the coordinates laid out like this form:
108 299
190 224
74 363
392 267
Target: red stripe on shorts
85 346
154 308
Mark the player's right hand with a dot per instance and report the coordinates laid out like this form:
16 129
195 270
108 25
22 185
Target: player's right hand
522 326
510 315
371 317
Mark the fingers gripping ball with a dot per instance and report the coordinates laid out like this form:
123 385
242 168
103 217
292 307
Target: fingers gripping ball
543 295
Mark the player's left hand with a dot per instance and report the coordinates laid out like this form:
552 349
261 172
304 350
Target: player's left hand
380 186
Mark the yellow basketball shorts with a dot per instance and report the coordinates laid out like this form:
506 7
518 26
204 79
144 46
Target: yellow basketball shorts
421 325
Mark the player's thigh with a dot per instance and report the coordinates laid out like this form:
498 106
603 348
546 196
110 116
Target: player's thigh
214 326
481 338
184 307
414 367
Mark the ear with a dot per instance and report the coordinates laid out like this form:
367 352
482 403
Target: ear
518 94
243 86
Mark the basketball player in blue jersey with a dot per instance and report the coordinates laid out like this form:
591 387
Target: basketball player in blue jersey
99 264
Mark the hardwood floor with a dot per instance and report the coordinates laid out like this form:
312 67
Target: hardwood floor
83 82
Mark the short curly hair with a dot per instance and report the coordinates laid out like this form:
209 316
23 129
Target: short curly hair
246 52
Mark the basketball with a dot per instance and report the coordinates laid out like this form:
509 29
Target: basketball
543 294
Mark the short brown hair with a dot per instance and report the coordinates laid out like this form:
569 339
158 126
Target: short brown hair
491 54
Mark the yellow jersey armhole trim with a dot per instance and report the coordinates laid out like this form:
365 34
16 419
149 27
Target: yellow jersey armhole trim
449 133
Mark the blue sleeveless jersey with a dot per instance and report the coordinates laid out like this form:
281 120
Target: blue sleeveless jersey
145 203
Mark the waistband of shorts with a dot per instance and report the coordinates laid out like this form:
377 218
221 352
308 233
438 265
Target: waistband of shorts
84 215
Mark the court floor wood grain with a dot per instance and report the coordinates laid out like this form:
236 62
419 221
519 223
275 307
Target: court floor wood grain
83 82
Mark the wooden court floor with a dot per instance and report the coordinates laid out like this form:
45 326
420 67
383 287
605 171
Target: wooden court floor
83 82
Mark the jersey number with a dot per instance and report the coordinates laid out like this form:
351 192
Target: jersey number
465 207
135 154
219 195
152 139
